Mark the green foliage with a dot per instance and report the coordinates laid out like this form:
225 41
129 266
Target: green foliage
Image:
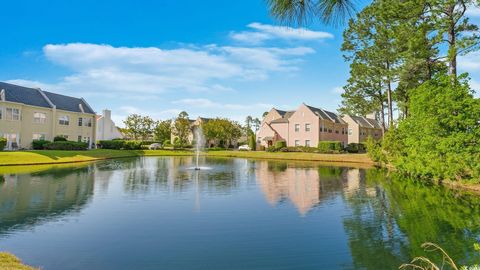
10 262
59 139
3 143
252 142
222 130
66 145
280 144
181 129
440 139
375 151
139 127
39 144
162 131
355 148
121 144
330 146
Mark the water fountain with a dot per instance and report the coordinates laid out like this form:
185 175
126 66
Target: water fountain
199 143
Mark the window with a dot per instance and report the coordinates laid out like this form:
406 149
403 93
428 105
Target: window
79 138
38 137
336 131
86 139
13 114
307 143
350 131
64 120
80 121
1 114
343 130
321 127
307 127
297 127
39 118
87 122
330 130
297 142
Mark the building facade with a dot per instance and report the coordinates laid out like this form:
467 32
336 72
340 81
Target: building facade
106 128
360 128
307 126
28 114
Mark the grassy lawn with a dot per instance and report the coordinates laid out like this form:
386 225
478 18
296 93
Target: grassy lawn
58 157
10 262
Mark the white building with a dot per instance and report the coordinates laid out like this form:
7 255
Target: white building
106 129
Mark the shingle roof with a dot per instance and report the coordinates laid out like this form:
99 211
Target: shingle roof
67 103
366 122
326 115
25 95
34 97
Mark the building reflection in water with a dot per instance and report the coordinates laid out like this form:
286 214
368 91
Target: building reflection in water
27 199
307 186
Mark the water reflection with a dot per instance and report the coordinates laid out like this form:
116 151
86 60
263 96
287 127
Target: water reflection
378 216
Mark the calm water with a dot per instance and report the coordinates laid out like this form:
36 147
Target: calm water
154 213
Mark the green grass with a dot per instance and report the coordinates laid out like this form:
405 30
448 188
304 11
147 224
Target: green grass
10 262
58 157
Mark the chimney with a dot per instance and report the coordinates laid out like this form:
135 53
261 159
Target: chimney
372 115
107 114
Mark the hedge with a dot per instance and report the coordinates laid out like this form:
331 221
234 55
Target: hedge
3 143
280 144
39 144
356 148
330 146
66 145
59 139
120 144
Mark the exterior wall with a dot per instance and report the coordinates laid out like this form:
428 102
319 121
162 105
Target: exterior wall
25 127
282 131
364 133
335 132
264 131
302 117
106 129
272 115
353 130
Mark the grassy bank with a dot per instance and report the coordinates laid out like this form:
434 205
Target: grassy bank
58 157
10 262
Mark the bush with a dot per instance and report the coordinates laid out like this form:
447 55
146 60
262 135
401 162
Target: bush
375 151
280 144
330 146
252 142
356 148
3 143
167 143
120 144
39 144
261 148
216 148
59 139
271 149
304 149
66 145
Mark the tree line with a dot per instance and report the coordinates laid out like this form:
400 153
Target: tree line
217 131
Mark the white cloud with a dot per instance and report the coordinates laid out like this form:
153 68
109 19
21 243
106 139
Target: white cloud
264 32
470 62
473 11
208 104
104 70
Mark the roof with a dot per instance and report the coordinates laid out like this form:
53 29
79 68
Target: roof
67 103
25 95
39 98
285 114
366 122
326 114
279 120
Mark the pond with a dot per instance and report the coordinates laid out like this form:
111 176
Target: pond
156 213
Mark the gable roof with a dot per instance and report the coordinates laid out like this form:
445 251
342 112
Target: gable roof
39 98
25 95
326 114
67 103
366 122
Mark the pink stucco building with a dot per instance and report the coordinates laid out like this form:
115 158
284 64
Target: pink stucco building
305 126
308 125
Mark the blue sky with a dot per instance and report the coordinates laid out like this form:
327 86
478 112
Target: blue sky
210 58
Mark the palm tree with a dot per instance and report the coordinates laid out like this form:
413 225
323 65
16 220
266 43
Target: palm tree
300 12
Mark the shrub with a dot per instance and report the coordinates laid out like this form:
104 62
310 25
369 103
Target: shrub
252 142
356 148
216 149
280 144
3 143
59 139
120 144
167 143
261 148
271 149
66 145
39 144
330 146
